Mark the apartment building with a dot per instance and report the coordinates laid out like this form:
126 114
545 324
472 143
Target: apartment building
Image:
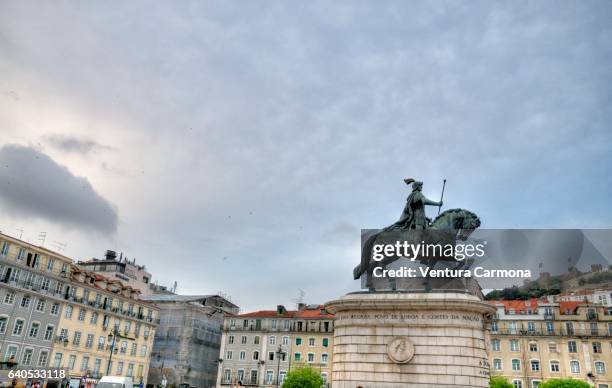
260 348
102 316
34 282
122 269
188 338
540 339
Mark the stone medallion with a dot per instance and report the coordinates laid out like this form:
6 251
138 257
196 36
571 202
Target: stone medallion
400 350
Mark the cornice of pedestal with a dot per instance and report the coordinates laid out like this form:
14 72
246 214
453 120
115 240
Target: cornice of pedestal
405 301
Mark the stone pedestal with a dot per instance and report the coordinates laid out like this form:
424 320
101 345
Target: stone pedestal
397 339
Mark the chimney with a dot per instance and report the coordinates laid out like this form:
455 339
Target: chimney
301 306
110 255
280 309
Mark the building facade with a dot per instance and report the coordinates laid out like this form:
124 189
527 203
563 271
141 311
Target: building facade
187 342
102 316
33 285
260 348
537 340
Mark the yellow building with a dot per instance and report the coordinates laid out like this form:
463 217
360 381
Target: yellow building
537 340
103 315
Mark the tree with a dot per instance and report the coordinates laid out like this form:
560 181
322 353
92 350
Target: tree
303 378
564 383
499 382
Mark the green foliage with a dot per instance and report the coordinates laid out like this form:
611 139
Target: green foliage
499 382
303 378
516 293
564 383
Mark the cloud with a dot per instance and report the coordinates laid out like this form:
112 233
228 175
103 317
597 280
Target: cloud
33 185
69 143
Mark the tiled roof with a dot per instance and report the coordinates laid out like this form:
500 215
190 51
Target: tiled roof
519 306
311 312
568 306
318 312
267 314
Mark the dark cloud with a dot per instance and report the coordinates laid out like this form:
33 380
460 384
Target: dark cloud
69 143
33 185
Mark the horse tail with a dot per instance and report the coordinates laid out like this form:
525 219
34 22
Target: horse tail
366 254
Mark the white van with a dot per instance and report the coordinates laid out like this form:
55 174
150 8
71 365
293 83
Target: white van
115 382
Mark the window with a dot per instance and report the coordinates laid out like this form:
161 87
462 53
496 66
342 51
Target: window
77 338
228 355
242 355
85 363
600 367
133 350
298 341
240 376
282 375
243 339
270 356
552 347
71 361
34 330
516 364
310 357
574 366
81 314
517 383
272 340
514 345
5 248
297 357
256 355
535 365
550 327
27 357
596 347
274 324
311 342
253 377
530 327
49 333
20 254
97 364
44 284
9 298
120 368
533 347
256 340
286 325
3 321
94 318
123 347
227 376
495 345
143 351
57 360
285 340
497 364
40 305
230 339
569 327
89 341
512 327
64 334
571 346
494 327
324 358
11 352
55 308
130 370
43 356
18 327
25 301
101 341
68 312
594 328
269 376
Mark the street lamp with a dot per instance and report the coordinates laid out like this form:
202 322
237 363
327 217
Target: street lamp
112 337
279 352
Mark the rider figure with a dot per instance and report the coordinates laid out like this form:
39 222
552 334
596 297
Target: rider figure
413 215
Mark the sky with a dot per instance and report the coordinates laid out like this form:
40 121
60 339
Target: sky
239 147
